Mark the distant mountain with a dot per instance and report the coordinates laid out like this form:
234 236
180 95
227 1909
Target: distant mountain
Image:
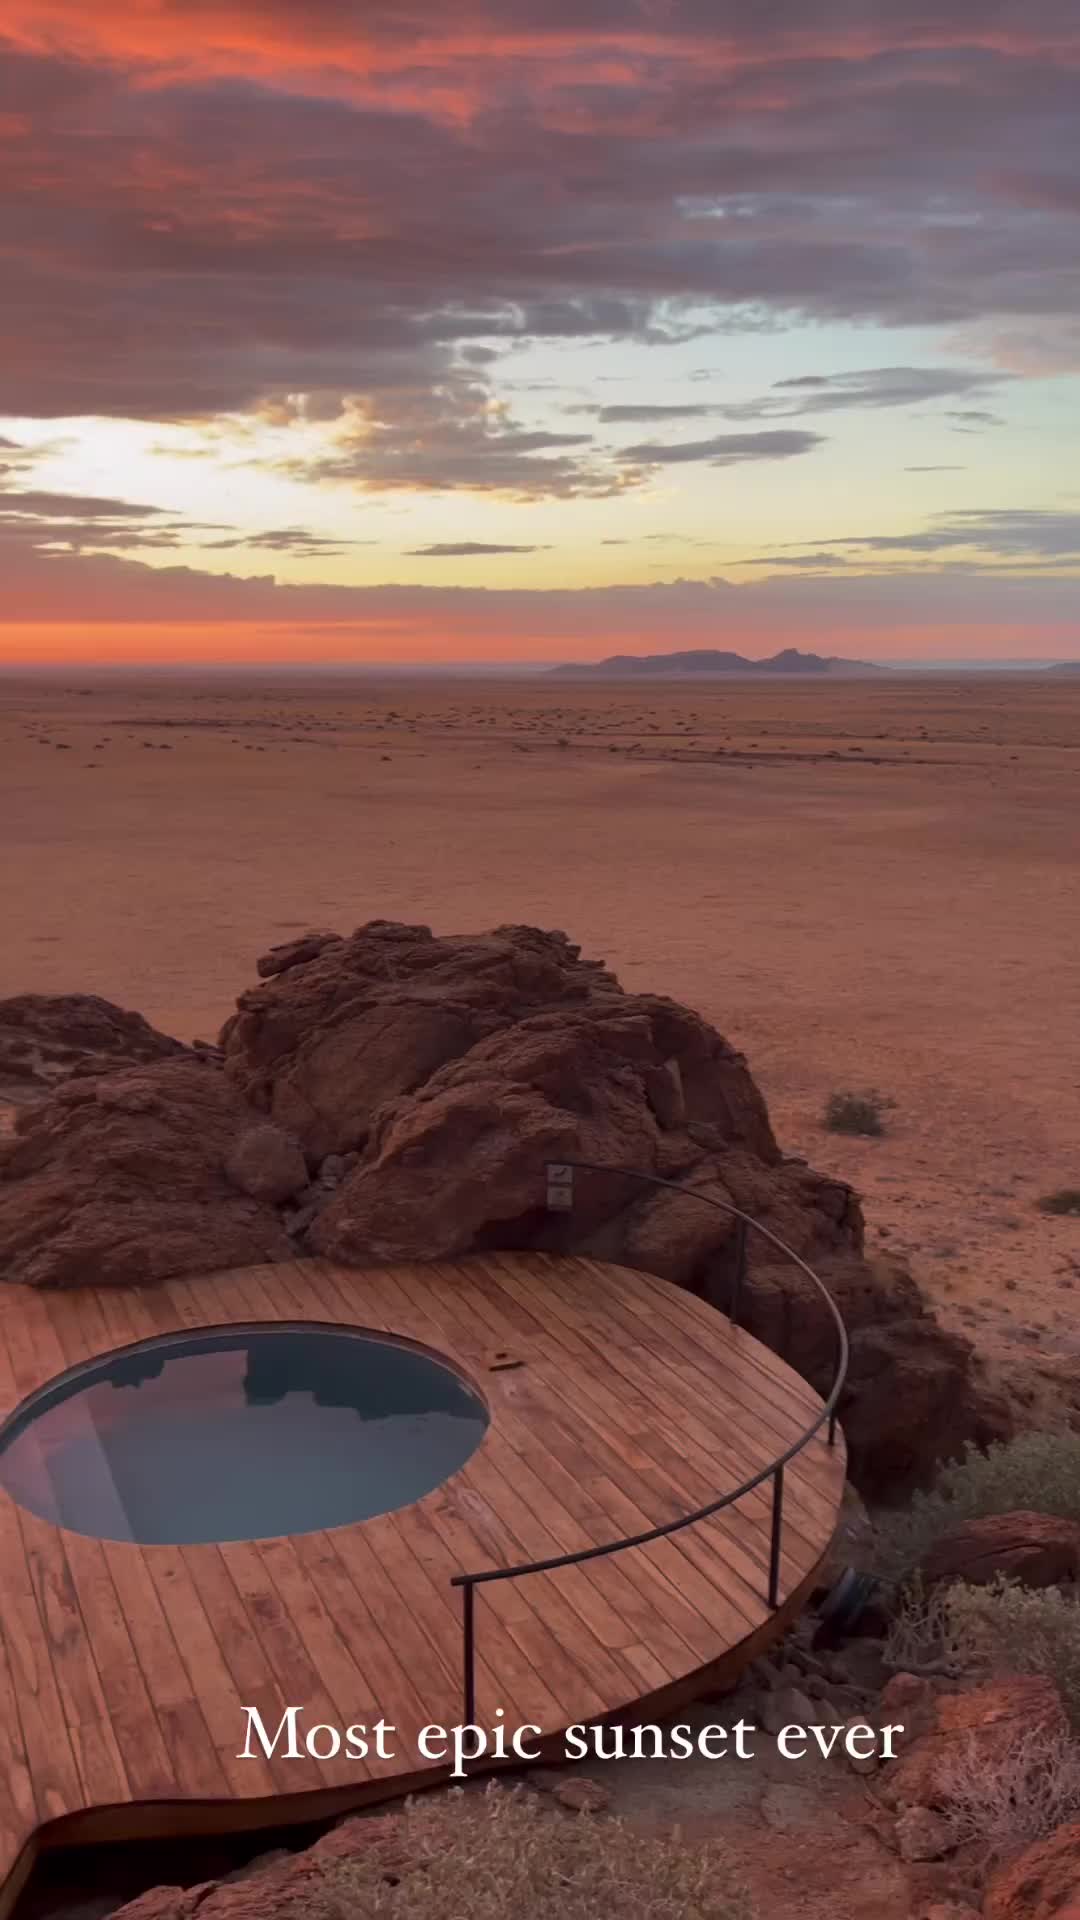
707 660
1064 666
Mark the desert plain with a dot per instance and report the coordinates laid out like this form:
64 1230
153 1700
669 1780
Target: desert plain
864 883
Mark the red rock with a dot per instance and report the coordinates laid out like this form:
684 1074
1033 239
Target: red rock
120 1180
1043 1883
294 953
452 1068
266 1164
1036 1549
46 1039
438 1075
581 1795
922 1834
991 1717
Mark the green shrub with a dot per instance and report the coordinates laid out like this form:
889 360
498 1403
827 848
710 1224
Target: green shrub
862 1113
502 1852
1036 1472
1065 1200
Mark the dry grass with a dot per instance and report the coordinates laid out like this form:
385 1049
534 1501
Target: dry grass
503 1854
922 1635
1003 1805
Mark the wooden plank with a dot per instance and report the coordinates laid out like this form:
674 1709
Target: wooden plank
45 1730
122 1687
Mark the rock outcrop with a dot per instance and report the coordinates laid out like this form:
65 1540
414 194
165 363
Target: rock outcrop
447 1071
46 1039
393 1095
121 1180
1036 1549
1042 1883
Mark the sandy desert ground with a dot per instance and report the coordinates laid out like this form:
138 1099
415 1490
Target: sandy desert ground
860 882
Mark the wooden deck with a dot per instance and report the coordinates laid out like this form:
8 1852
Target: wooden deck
125 1670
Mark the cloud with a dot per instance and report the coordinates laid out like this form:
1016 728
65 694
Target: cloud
869 387
207 209
973 419
629 411
38 505
66 523
797 562
466 549
452 435
63 524
885 387
1003 533
726 449
301 542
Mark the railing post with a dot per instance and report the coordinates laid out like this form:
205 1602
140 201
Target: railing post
740 1273
468 1652
777 1529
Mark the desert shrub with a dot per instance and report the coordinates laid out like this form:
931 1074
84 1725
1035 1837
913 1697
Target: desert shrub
1018 1796
970 1632
922 1637
1037 1472
1065 1200
502 1852
1007 1628
849 1112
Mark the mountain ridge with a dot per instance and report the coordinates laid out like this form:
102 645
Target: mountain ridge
710 660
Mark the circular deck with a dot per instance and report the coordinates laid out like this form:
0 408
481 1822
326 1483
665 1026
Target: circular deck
617 1403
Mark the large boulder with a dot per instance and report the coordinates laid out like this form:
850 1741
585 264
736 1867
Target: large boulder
344 1026
47 1038
449 1070
1042 1883
1035 1549
122 1180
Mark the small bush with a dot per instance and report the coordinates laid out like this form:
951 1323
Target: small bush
862 1113
966 1632
922 1636
1020 1796
1065 1200
500 1853
1006 1628
1037 1472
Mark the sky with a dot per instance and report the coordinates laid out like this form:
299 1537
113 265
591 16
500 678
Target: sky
527 330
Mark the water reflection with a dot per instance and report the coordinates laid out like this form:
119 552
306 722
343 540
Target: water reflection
239 1435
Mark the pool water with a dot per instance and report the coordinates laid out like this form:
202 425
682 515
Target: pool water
240 1434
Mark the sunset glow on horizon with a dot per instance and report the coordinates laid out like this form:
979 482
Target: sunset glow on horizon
530 333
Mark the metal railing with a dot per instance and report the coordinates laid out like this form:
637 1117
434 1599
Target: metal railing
560 1193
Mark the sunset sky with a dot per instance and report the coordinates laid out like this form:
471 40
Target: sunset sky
517 330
